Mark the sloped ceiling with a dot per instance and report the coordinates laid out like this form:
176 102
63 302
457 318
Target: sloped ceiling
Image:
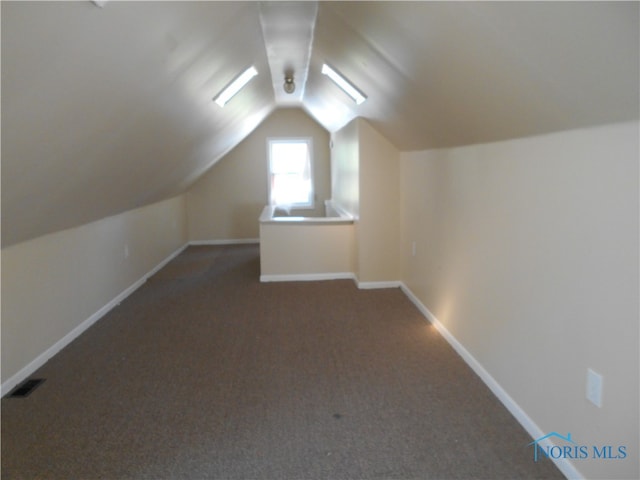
108 109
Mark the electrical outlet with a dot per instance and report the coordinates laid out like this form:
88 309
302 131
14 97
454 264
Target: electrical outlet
413 249
126 251
594 387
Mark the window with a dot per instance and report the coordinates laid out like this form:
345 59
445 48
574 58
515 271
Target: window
290 167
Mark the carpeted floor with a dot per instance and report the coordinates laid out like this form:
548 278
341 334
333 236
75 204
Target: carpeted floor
206 373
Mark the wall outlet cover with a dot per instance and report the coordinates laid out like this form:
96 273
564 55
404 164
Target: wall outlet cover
594 387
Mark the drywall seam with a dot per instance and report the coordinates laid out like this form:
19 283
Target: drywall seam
41 359
564 465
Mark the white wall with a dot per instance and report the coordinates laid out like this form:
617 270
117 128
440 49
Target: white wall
345 168
378 226
527 253
365 170
56 285
290 251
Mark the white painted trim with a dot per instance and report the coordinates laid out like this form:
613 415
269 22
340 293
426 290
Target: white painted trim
307 277
267 218
339 209
563 464
231 241
375 285
41 359
310 277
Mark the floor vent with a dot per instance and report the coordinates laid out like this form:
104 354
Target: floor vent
26 387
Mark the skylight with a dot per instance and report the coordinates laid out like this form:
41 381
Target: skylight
344 84
234 87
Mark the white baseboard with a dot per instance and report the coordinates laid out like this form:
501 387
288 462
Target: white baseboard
231 241
564 465
157 268
374 285
41 359
307 277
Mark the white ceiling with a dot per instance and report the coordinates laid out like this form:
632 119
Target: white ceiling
287 30
108 109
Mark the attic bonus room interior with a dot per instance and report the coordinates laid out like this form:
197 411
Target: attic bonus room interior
309 240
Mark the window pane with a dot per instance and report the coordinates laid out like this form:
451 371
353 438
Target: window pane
290 173
288 157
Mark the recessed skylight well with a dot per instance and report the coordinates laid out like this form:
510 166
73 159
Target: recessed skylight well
344 84
235 86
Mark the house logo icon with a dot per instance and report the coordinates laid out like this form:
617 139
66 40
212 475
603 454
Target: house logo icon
537 441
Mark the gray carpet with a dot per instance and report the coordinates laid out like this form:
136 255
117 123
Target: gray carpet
206 373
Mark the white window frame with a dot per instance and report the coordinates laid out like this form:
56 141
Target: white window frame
309 142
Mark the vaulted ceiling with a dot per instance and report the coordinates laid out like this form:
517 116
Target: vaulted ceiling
108 109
